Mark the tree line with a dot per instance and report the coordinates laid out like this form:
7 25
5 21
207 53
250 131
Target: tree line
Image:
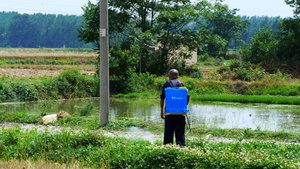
40 30
136 28
56 31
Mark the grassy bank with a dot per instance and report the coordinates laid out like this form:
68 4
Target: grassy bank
88 147
92 123
72 84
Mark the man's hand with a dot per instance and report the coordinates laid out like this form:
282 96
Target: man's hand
162 114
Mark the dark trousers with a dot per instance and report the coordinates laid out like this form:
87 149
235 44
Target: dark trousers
174 123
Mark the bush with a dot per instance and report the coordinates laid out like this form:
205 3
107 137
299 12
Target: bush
141 82
72 84
69 84
7 94
190 84
204 57
198 74
87 110
262 49
18 91
238 70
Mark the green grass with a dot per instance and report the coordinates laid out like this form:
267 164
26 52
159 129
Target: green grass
93 149
90 148
43 61
248 99
121 124
22 117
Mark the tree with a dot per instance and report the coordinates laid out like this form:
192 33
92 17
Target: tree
262 50
276 50
122 64
89 32
39 30
295 4
225 23
168 20
139 10
178 25
289 46
145 42
174 30
22 29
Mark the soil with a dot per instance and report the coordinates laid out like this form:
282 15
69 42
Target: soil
19 72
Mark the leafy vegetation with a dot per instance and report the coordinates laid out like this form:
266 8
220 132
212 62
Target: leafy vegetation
254 79
178 25
98 151
72 84
69 84
276 50
86 110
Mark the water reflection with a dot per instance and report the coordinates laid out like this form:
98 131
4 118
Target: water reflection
211 114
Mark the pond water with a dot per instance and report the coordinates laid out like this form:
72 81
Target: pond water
211 114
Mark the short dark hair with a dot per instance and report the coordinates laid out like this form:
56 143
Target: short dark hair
173 72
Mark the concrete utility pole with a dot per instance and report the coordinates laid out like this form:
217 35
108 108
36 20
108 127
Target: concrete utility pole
104 64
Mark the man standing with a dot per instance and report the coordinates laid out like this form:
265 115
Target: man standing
173 123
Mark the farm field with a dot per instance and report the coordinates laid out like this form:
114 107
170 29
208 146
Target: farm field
35 63
47 76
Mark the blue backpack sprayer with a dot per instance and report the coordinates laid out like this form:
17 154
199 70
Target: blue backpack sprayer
176 102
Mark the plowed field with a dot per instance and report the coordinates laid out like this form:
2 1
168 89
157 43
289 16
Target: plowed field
16 71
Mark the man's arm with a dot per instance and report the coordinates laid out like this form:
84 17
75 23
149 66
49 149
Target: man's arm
162 108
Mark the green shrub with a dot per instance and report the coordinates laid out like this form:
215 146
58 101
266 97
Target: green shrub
72 84
243 74
159 82
86 110
198 74
141 82
18 91
204 57
238 70
190 84
22 117
25 92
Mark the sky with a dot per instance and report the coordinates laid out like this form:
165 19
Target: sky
271 8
